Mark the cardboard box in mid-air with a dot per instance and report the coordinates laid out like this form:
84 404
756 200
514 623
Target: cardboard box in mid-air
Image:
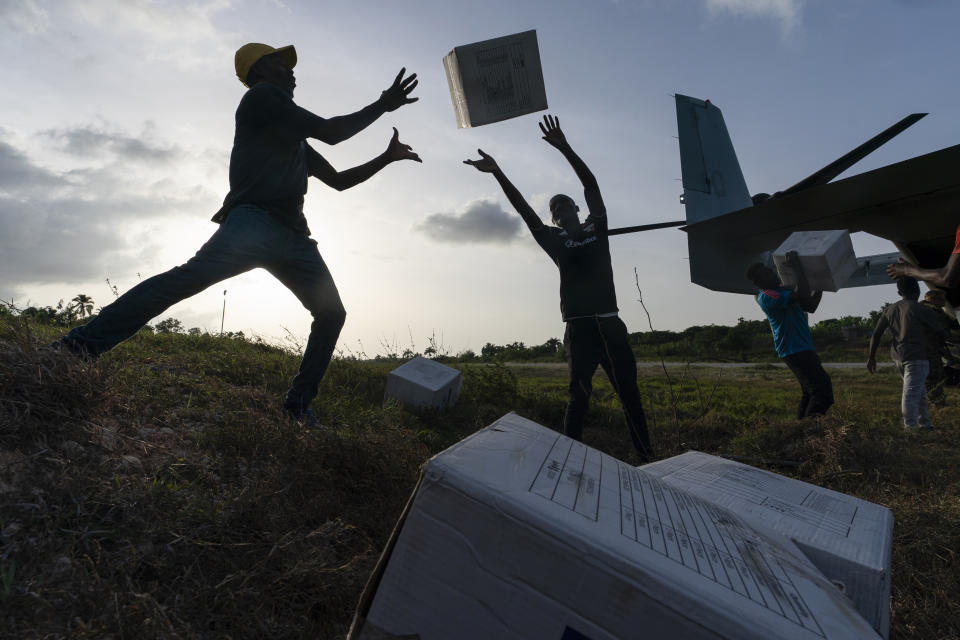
495 79
520 533
420 383
847 538
826 256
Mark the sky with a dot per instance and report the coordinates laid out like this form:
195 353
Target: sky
116 124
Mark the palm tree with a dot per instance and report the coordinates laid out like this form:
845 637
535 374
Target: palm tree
82 304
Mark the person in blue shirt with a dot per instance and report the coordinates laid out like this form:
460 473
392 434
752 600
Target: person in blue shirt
787 311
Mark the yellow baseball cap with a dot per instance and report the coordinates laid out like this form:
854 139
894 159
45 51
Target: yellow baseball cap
249 53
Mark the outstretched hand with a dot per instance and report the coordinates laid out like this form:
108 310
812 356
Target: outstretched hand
486 163
397 150
897 270
552 132
399 92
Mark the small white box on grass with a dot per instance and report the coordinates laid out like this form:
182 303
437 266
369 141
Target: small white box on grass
424 384
495 79
847 538
826 256
520 533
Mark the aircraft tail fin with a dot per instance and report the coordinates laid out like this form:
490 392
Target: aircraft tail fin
713 183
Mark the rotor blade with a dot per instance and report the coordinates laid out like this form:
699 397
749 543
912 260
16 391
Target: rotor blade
645 227
843 163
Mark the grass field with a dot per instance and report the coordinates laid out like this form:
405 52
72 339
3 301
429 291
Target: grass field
161 493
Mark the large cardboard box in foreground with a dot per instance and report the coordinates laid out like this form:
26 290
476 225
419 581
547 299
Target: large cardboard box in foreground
827 258
420 383
495 79
848 539
520 533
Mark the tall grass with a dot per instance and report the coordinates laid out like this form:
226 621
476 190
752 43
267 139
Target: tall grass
161 493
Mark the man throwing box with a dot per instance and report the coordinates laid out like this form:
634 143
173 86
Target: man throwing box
588 302
261 221
786 311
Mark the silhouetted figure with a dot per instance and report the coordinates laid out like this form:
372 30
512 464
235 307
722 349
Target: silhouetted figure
910 323
787 311
588 302
261 221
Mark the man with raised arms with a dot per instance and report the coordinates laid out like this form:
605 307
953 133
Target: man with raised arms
588 302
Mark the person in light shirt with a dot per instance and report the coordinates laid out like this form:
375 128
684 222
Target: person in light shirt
912 325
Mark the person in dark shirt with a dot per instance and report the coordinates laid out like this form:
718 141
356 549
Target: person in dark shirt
910 323
786 309
261 221
594 335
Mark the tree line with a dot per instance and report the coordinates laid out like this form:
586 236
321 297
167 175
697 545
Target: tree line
748 340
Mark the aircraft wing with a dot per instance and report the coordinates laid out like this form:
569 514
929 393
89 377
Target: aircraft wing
914 203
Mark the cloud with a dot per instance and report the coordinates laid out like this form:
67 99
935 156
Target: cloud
49 242
786 11
87 141
68 226
17 173
182 34
477 222
24 16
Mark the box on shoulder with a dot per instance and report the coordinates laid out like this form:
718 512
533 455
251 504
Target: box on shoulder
827 258
495 79
848 539
421 383
520 533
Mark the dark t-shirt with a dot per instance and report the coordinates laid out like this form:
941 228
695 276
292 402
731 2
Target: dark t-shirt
270 161
586 276
910 323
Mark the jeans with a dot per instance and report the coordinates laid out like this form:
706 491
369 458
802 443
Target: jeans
249 238
603 341
913 403
815 384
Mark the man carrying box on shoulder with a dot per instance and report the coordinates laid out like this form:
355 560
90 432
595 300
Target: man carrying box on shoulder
786 311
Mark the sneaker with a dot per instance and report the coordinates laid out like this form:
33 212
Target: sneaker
72 347
304 417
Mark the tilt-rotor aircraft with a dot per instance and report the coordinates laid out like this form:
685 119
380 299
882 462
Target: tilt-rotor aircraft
914 203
